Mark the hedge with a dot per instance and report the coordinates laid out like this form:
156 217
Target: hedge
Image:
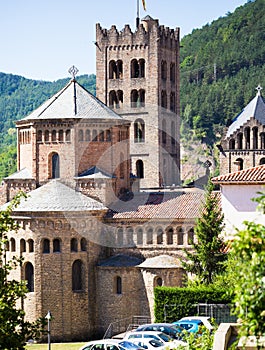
172 303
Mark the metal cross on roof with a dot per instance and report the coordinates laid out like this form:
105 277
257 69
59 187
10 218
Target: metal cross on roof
73 71
259 88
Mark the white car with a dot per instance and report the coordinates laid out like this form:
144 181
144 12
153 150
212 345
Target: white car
149 343
160 336
204 319
110 344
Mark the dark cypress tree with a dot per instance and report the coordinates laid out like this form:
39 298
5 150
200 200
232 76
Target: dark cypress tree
206 258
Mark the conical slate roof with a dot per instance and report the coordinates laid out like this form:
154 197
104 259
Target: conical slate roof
73 101
255 109
56 197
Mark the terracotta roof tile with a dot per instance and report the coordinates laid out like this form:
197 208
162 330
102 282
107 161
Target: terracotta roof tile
255 175
160 206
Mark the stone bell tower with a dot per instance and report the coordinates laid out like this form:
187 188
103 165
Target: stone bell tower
138 77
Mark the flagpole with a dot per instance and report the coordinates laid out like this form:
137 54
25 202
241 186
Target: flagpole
137 18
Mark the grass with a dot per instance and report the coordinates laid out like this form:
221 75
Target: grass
55 346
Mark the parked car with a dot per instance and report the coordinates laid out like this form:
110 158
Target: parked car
173 331
110 344
149 343
192 326
160 336
204 319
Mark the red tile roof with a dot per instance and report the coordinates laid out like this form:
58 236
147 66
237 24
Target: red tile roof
255 175
182 205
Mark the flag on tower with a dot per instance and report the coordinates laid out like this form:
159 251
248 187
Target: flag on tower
143 1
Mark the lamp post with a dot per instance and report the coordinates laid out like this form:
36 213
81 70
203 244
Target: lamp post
48 317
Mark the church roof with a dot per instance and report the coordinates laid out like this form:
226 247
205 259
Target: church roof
73 101
161 261
120 260
255 109
22 174
94 173
56 197
149 206
255 175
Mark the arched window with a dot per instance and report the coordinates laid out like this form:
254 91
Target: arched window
120 237
247 137
239 162
39 136
262 140
129 233
60 135
108 136
191 236
172 101
74 245
255 137
46 246
80 135
31 245
22 245
164 70
68 135
113 101
163 99
172 72
141 98
134 98
55 166
54 136
170 236
83 244
94 135
140 169
101 136
262 161
119 99
149 236
77 276
159 236
112 70
29 276
139 236
118 285
240 141
7 246
158 282
46 136
134 69
87 135
13 244
141 68
232 144
180 236
56 245
139 131
119 66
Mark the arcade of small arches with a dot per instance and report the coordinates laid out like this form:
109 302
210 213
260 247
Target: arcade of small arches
47 246
150 236
248 139
54 136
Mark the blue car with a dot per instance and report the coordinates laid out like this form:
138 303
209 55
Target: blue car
192 326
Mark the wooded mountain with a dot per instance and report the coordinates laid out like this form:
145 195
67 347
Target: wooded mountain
221 65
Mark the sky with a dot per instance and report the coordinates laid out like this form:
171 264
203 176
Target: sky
42 39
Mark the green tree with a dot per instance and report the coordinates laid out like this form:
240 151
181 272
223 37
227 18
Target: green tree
14 330
206 259
248 247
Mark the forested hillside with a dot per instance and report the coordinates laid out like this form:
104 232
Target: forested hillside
221 65
18 97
